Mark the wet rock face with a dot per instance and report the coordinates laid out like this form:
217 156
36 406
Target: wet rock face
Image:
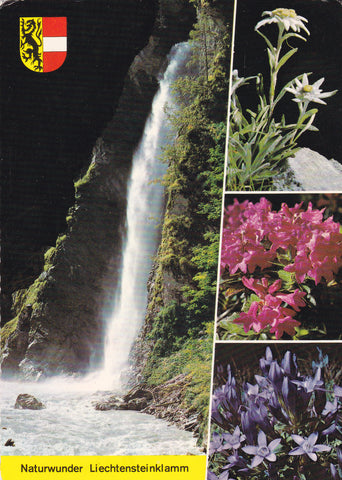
320 55
25 401
163 401
17 342
51 121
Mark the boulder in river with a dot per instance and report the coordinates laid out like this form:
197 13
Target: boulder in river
9 443
26 401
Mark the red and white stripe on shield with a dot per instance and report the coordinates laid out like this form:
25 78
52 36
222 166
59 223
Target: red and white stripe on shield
54 42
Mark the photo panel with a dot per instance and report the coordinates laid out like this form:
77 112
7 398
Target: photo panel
280 267
284 125
275 411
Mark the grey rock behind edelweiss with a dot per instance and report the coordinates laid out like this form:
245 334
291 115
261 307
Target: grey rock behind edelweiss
310 171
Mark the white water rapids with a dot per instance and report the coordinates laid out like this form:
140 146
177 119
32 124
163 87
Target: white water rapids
70 425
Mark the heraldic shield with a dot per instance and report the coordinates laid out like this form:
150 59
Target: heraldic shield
43 42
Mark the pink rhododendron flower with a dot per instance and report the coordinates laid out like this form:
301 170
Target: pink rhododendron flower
251 319
261 288
300 267
313 216
283 325
261 316
294 299
234 214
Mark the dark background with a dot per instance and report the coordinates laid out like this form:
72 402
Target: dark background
244 357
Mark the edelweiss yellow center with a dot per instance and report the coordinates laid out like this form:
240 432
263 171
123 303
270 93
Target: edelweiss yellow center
285 12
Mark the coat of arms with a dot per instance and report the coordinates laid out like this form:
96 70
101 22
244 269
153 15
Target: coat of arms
43 42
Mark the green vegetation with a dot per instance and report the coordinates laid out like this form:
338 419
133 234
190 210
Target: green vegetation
194 359
34 294
7 329
90 173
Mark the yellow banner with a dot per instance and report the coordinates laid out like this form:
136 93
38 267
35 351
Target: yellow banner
180 467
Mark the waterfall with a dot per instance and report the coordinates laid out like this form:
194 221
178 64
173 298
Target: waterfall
70 424
144 208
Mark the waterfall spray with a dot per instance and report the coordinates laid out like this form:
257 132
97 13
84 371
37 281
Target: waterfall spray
144 207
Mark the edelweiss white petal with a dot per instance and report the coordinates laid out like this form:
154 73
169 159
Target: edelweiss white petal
286 18
264 22
304 92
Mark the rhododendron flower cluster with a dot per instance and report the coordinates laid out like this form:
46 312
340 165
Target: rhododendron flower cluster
284 426
260 243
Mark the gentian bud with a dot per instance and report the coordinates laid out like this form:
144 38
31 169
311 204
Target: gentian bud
289 394
266 362
248 427
334 472
330 430
276 375
339 456
289 364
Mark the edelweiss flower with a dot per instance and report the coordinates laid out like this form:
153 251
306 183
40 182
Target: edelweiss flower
304 92
286 17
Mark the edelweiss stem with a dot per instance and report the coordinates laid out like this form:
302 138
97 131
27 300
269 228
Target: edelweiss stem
274 70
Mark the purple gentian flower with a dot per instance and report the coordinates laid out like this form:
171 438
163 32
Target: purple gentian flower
219 395
211 475
258 413
339 456
334 472
215 414
253 393
248 426
264 384
289 393
262 451
235 461
225 475
330 408
310 384
330 430
338 391
233 440
307 446
276 376
266 362
216 444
